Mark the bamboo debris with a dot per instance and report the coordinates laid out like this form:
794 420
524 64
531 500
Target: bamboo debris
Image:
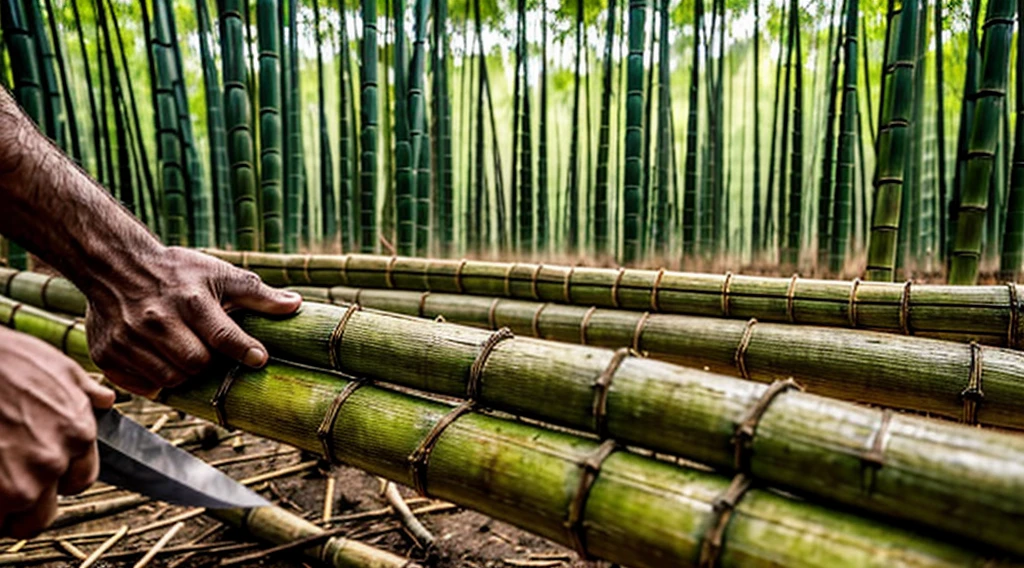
639 511
925 375
966 481
987 314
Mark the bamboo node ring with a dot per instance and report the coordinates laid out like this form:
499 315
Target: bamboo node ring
567 285
245 260
790 292
325 432
973 394
420 457
722 510
476 370
339 330
535 322
220 397
905 308
615 287
344 269
591 469
746 429
740 357
725 294
423 303
1011 334
10 317
389 278
305 268
64 337
638 331
654 290
534 288
602 385
586 322
508 279
851 308
458 276
492 314
42 291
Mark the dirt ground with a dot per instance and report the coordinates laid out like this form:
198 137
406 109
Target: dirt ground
463 538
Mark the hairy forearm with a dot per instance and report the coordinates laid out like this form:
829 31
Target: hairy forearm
55 210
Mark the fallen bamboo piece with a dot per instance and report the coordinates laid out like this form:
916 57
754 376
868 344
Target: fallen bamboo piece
862 457
160 545
987 314
104 548
77 514
924 375
71 549
304 542
423 538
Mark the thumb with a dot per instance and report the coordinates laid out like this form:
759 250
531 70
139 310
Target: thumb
101 397
246 290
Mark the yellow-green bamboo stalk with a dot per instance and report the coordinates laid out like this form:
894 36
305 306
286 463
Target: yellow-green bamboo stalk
988 314
964 481
923 375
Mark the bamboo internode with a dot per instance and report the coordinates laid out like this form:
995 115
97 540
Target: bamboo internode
987 314
965 481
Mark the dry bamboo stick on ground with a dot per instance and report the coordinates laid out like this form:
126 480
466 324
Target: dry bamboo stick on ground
862 457
424 539
104 548
924 375
988 314
159 545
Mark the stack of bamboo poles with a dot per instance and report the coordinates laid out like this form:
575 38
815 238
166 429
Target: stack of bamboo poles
976 384
882 468
987 314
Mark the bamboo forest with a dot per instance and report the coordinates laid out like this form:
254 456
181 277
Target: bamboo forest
482 283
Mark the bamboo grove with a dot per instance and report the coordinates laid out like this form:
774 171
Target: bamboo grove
840 137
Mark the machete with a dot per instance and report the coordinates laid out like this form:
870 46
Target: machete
133 458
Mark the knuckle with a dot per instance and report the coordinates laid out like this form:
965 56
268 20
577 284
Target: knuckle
49 465
153 318
16 498
249 281
195 360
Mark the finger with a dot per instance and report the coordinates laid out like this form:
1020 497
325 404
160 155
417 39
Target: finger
81 473
32 522
133 384
223 335
148 363
178 345
99 395
246 290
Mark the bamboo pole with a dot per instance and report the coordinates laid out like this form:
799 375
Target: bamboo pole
48 292
987 314
964 481
924 375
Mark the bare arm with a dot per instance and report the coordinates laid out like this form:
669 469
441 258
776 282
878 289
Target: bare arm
157 314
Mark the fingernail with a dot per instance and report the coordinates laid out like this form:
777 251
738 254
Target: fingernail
292 296
254 357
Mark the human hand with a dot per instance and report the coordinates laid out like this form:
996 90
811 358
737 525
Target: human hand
157 322
47 432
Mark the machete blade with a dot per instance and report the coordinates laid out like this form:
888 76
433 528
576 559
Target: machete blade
133 458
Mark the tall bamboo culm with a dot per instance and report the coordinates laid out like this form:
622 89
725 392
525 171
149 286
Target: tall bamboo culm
480 461
271 166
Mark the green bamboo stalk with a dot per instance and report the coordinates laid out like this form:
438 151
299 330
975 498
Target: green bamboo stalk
648 169
525 218
940 129
328 200
419 144
691 215
573 185
517 118
769 225
444 178
842 216
295 178
979 498
991 94
176 212
220 172
924 375
632 199
987 314
755 216
122 184
28 90
239 131
55 126
1012 260
794 223
662 210
828 191
543 191
602 245
74 143
345 177
893 142
368 140
93 114
405 190
779 233
967 105
271 166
